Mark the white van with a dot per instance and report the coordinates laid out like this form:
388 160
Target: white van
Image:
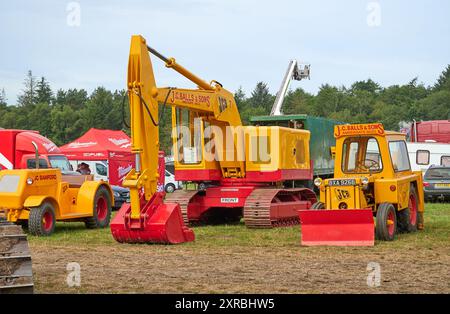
170 184
423 155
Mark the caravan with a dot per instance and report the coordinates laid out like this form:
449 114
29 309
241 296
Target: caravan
423 155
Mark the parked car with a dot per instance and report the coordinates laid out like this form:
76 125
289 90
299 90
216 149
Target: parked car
121 195
436 183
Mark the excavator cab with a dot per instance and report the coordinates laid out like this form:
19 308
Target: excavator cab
373 188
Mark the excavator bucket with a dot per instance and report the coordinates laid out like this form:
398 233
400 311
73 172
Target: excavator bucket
346 227
158 223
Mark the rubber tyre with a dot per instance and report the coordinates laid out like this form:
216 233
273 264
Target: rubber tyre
383 232
101 210
405 224
170 188
41 221
318 206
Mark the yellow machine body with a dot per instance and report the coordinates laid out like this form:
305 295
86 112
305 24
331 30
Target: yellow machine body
24 189
372 171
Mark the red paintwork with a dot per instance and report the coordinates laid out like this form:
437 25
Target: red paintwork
158 223
201 203
198 175
391 227
47 221
412 210
436 130
16 148
251 176
346 227
102 209
279 175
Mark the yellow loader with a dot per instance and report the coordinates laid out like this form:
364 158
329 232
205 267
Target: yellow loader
374 192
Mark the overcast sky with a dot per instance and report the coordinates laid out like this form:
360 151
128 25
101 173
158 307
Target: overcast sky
235 42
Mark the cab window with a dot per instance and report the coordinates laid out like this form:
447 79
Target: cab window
399 156
361 155
31 163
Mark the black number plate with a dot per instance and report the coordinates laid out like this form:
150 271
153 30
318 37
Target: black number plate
342 182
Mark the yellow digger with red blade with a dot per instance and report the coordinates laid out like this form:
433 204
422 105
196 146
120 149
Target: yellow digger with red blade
374 194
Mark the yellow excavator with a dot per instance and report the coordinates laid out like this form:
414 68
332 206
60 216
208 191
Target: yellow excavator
246 167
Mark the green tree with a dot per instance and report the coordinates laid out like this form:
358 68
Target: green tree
28 96
443 82
44 93
75 98
261 98
241 100
40 119
298 102
3 99
368 86
98 109
434 107
66 124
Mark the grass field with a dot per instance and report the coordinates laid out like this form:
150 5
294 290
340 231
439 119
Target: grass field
232 258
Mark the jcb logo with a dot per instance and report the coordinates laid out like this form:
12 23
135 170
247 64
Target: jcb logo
342 194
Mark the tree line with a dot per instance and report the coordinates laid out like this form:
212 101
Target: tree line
65 115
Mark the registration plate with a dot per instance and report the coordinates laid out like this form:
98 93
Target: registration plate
232 200
442 185
341 182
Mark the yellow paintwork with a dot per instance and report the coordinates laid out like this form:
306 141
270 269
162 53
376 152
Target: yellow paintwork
288 149
388 185
47 185
212 104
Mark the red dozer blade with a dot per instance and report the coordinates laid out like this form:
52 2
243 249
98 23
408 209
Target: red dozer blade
346 227
158 223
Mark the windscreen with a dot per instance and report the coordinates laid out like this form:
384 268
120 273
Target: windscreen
438 174
60 162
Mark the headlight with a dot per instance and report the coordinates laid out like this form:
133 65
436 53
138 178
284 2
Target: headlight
29 181
365 180
317 182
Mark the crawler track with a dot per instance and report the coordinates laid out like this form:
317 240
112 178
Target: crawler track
182 197
271 207
15 260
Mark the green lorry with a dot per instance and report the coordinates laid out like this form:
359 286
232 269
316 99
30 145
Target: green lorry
322 137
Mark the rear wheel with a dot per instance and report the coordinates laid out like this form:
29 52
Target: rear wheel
318 206
41 221
409 217
386 222
101 211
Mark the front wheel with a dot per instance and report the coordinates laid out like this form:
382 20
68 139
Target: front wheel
386 222
41 221
101 210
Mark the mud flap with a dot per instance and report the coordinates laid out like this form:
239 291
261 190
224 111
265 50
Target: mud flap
158 223
349 227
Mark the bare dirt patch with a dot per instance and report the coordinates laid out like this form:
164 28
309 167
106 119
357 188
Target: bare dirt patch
181 269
